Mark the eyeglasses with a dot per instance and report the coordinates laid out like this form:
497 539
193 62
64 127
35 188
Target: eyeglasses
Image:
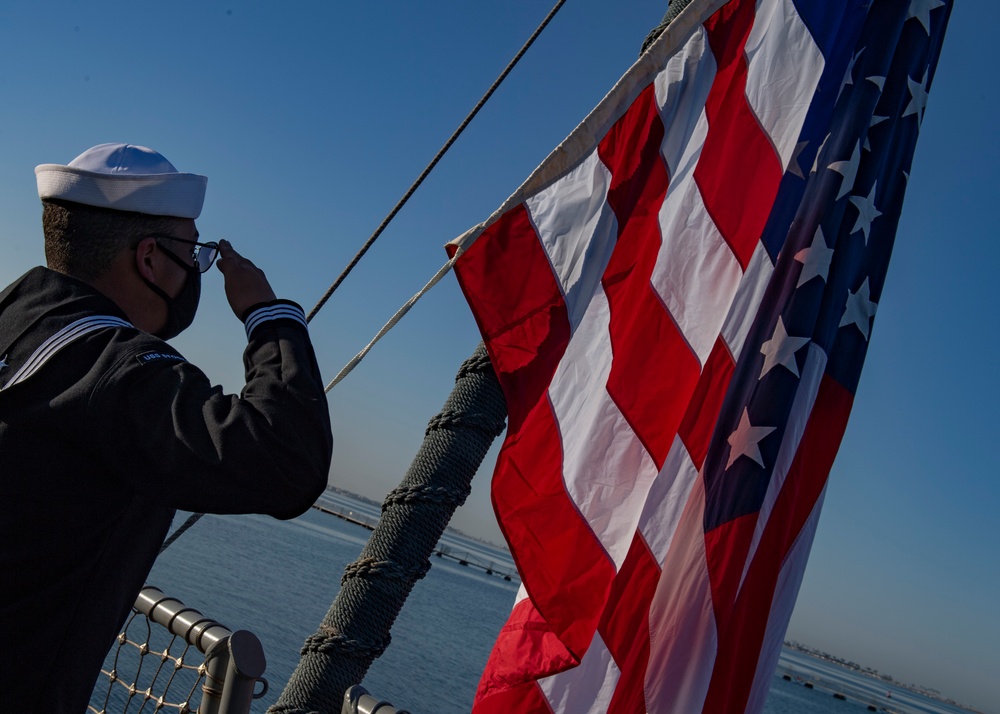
202 254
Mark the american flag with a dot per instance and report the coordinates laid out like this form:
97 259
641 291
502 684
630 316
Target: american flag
678 303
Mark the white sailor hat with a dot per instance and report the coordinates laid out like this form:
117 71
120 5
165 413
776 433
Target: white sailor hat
124 177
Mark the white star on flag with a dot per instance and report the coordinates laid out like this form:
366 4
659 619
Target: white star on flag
815 259
793 165
877 81
818 154
849 75
848 169
866 212
3 362
743 441
860 309
918 98
781 349
921 9
876 119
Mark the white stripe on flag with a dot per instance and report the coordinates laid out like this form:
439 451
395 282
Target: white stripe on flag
696 274
578 231
784 67
681 90
587 688
606 469
522 594
683 640
785 593
666 500
747 301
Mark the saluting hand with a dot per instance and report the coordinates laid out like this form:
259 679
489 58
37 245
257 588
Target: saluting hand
246 284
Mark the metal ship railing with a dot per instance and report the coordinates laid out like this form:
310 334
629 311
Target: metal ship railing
227 666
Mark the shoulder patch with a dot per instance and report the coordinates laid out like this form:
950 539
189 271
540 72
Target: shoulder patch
147 357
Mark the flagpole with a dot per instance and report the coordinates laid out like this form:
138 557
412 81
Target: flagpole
373 589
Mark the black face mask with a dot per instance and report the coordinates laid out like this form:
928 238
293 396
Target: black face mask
181 309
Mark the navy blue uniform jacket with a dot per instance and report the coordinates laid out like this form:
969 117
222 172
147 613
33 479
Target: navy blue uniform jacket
102 437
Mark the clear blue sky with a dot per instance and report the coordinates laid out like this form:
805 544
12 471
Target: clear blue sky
311 119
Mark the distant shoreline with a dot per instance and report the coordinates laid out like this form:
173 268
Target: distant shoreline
452 529
791 644
875 674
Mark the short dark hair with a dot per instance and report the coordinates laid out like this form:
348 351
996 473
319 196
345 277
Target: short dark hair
83 241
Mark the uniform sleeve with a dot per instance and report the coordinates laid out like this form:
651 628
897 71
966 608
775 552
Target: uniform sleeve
172 436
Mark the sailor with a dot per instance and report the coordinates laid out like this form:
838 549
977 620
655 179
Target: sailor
105 429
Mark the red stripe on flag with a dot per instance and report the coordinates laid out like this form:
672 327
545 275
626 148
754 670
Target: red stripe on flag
654 370
738 172
525 644
732 679
706 402
625 625
522 317
561 561
523 699
726 549
526 330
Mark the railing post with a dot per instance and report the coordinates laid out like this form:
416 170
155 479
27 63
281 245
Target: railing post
216 666
357 700
246 667
234 661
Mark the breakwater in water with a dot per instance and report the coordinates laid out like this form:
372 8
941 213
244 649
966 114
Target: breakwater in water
470 557
278 578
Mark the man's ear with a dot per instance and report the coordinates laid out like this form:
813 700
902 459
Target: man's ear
145 261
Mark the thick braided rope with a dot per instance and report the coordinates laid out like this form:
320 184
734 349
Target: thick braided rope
356 629
324 642
672 11
454 420
436 494
369 567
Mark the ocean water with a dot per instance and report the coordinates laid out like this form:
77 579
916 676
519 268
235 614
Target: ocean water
278 578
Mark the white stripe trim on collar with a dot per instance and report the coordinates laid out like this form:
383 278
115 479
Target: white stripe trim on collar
48 349
274 312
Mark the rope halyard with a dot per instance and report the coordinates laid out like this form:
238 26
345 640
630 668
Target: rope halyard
675 7
447 145
349 367
181 530
436 278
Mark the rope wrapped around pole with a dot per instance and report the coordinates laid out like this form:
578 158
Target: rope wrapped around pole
673 10
373 589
